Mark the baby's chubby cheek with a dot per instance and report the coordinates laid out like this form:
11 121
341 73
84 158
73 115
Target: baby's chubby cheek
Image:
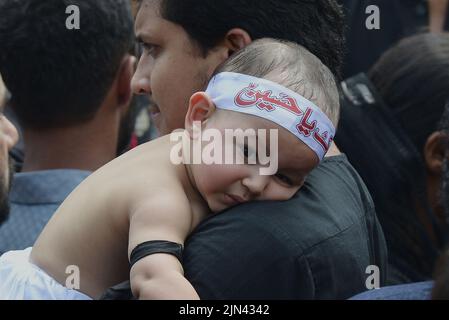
217 178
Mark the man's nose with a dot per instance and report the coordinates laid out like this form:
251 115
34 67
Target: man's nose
9 132
140 83
256 184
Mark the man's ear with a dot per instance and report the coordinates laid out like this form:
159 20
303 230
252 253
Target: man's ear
201 108
435 152
236 39
124 76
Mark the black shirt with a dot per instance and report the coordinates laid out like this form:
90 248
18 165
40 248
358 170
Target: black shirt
314 246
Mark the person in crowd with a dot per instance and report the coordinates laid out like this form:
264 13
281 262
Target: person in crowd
424 290
271 94
70 94
441 287
392 115
318 244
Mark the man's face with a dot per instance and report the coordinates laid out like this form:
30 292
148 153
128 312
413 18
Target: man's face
171 67
8 138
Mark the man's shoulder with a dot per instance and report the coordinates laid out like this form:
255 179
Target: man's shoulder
34 197
333 195
44 187
316 245
335 187
333 200
24 224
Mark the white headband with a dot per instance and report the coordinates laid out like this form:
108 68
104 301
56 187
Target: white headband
269 100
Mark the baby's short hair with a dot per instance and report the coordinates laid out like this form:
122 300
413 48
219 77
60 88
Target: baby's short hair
291 66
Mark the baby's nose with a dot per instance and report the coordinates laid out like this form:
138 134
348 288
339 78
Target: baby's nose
256 184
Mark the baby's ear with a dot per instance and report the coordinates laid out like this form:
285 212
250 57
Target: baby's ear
201 108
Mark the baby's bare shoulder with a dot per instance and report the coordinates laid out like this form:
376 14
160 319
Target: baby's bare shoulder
163 216
172 199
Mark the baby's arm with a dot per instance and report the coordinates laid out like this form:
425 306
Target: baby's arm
160 275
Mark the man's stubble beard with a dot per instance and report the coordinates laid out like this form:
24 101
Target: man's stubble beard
5 187
127 124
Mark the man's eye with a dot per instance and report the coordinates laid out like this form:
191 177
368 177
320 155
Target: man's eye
284 179
138 49
149 49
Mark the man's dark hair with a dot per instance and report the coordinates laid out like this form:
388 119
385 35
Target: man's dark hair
318 25
444 123
58 76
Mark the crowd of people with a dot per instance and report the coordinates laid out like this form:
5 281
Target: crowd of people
362 142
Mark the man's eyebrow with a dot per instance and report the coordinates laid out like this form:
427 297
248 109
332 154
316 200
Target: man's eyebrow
142 37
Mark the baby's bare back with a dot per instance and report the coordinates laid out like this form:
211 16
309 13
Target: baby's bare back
90 230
